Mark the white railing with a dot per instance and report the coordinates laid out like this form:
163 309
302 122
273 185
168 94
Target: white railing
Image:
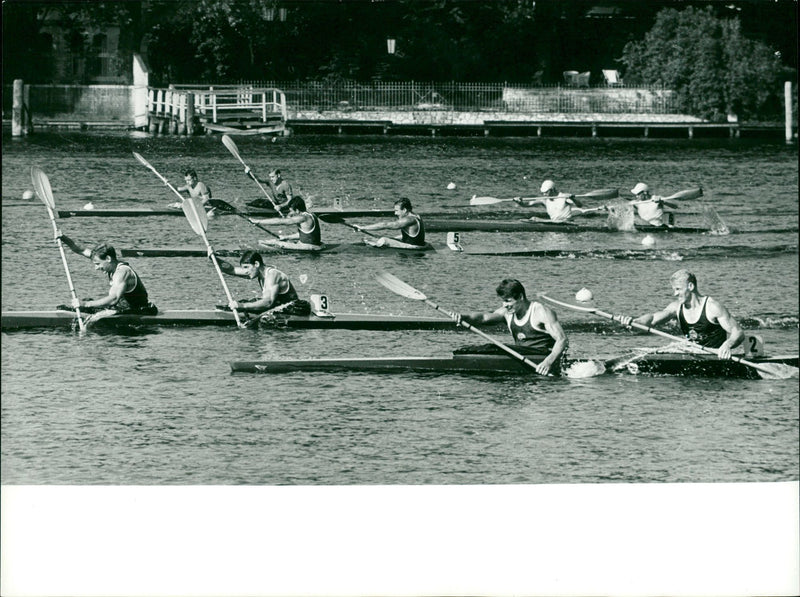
216 102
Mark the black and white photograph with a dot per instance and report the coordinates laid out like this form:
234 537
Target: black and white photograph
400 297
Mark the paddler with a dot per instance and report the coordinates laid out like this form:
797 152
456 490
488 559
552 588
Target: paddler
281 190
194 187
701 319
532 324
650 208
308 235
276 288
412 230
560 206
127 293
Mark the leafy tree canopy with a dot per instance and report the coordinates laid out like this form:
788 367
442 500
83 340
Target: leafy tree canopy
706 59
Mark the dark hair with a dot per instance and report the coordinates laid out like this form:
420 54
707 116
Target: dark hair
297 203
190 172
251 257
104 250
275 171
511 288
404 203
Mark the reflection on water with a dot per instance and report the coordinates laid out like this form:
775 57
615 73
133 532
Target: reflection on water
159 405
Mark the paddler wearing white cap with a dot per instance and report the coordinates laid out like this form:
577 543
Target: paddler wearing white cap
560 206
649 208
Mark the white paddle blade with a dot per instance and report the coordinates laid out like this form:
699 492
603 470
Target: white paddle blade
143 161
196 215
601 194
486 200
41 185
397 286
687 194
228 142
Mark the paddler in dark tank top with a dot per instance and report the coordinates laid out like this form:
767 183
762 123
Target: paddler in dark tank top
308 235
702 319
127 293
533 325
412 230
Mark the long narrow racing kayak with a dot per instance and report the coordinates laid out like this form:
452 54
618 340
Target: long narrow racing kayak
20 320
325 214
660 364
127 252
447 225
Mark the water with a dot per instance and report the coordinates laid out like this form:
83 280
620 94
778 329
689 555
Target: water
160 407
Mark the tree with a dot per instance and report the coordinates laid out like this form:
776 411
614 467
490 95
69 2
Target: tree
707 61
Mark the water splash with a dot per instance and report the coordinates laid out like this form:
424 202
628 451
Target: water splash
582 369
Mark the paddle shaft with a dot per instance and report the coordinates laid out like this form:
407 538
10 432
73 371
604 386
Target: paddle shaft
157 173
72 292
202 235
233 210
42 186
228 142
472 328
647 328
356 228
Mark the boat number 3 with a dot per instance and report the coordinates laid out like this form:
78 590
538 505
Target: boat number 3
319 302
753 345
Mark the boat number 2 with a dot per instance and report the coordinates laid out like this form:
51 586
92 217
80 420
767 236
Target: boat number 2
753 345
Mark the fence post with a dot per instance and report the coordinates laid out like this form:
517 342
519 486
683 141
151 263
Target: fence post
27 115
787 100
190 113
18 108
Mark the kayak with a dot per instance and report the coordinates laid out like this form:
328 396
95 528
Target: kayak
127 252
446 225
328 215
493 364
19 320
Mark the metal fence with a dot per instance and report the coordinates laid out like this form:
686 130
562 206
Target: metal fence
497 97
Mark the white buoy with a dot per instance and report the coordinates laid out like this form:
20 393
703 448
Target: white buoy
451 186
584 295
303 278
27 195
648 241
89 206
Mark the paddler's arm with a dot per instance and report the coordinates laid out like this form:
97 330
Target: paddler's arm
650 319
268 295
716 311
553 327
478 318
118 283
229 268
393 224
74 247
525 202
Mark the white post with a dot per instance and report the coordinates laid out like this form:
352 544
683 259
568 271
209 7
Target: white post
787 100
17 108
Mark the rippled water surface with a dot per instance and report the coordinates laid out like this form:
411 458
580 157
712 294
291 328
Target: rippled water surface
160 406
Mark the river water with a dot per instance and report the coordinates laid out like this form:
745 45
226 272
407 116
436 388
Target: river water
161 407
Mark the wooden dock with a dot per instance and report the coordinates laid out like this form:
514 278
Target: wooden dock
234 110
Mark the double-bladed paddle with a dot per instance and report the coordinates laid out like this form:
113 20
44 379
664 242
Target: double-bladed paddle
228 142
356 228
766 370
198 220
598 194
397 286
42 186
227 207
